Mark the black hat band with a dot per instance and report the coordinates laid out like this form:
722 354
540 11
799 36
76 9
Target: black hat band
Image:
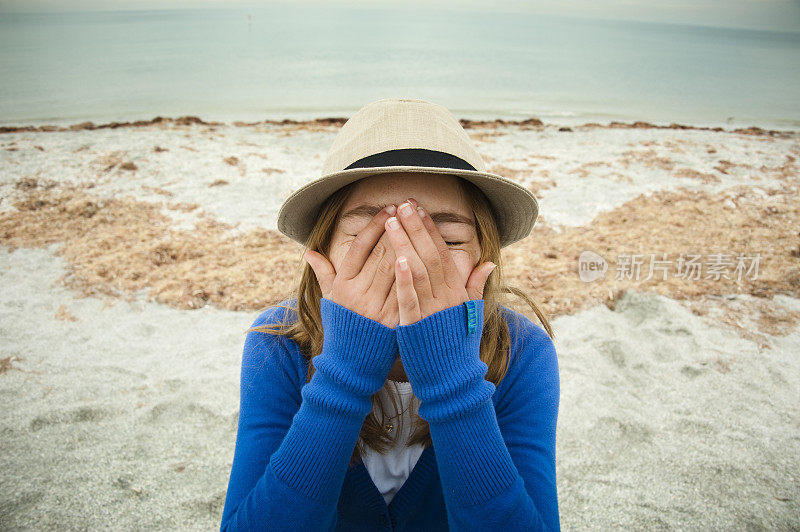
412 157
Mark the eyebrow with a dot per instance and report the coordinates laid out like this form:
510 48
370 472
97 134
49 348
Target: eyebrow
368 211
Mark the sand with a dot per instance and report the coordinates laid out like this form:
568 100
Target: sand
132 260
122 419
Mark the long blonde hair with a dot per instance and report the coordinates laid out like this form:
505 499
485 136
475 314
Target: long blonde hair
306 329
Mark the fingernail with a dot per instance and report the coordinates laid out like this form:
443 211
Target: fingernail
393 223
421 212
493 267
405 208
403 263
391 209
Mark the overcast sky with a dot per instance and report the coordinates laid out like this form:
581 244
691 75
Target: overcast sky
761 14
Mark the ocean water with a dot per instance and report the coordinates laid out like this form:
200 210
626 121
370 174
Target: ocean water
296 62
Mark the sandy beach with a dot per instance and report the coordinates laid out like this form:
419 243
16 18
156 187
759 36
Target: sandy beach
133 257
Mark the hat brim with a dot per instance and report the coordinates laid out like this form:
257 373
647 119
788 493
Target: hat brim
515 207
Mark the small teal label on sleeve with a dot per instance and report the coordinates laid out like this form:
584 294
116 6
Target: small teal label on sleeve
472 316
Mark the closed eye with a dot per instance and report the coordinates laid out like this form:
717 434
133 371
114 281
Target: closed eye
449 243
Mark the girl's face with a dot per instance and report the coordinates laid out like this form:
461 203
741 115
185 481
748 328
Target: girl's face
441 197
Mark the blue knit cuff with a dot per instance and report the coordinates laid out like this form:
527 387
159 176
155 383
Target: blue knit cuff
357 352
441 357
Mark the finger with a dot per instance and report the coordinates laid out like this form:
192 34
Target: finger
407 300
477 280
378 271
450 273
402 246
363 244
423 243
323 270
390 303
376 255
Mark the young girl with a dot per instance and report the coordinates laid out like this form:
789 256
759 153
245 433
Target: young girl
399 299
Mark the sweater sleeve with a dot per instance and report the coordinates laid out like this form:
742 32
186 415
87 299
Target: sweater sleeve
294 442
488 482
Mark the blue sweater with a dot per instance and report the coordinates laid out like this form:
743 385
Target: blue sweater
492 464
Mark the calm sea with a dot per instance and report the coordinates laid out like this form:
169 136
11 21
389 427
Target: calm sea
299 62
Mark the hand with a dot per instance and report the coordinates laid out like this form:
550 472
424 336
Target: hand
427 278
366 282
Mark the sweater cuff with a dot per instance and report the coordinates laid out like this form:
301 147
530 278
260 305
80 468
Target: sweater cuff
441 357
357 352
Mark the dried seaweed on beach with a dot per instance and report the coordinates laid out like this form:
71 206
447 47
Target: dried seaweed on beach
116 247
119 246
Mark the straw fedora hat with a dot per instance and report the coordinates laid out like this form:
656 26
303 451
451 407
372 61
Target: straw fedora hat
409 136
